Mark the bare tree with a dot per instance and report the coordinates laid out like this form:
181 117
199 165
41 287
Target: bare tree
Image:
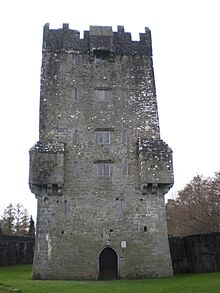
196 208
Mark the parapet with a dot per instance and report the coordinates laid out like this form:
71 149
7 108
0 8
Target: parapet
97 38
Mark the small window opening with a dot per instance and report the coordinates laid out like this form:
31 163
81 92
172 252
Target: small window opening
117 198
76 94
103 95
126 169
101 56
65 206
55 189
104 169
62 232
49 189
76 59
103 137
75 169
111 230
75 136
125 137
145 228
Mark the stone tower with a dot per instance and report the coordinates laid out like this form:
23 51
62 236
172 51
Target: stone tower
100 169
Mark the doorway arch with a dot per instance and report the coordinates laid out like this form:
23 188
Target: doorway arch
108 264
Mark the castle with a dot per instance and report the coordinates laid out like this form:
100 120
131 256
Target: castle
100 169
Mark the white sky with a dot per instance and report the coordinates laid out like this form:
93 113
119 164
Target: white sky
186 49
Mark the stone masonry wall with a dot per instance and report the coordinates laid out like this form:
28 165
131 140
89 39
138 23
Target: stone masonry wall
98 98
192 254
196 253
16 250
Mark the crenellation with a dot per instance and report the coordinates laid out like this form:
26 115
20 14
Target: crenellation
65 26
121 29
97 38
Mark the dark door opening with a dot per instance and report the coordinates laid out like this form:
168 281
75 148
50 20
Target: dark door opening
108 264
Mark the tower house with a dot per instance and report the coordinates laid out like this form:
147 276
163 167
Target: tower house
100 169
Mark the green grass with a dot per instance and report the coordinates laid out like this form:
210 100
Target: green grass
18 279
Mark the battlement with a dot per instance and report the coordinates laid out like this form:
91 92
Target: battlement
97 38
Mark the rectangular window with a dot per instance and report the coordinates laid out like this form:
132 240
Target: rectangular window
103 137
107 169
101 56
77 59
100 169
104 169
126 169
102 95
125 137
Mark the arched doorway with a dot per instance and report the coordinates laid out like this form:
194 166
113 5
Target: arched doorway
108 264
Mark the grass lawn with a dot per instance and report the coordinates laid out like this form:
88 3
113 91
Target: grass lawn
18 279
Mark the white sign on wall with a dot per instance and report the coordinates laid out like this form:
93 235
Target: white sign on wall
123 244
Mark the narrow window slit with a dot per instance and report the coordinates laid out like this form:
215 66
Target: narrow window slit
125 137
75 169
75 136
65 206
76 95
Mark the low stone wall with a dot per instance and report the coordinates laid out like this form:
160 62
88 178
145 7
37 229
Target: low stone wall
196 253
192 254
16 249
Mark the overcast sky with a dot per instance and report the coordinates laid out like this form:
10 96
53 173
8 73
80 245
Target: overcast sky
186 55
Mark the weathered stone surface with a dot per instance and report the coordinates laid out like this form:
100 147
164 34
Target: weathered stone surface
156 165
98 98
16 250
47 167
195 253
